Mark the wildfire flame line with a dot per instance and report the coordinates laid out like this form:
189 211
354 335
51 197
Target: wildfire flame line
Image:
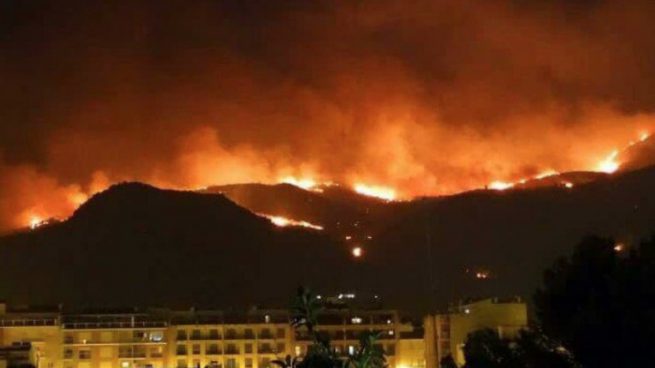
282 221
608 165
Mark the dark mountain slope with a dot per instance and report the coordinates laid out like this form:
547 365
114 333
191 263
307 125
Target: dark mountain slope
339 210
513 235
135 244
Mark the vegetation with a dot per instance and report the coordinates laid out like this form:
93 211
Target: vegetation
486 349
600 303
320 353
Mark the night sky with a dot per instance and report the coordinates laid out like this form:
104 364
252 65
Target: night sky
427 97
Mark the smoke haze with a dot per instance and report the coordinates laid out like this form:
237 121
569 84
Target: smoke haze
427 97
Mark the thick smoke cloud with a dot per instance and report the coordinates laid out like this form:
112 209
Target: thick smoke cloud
429 97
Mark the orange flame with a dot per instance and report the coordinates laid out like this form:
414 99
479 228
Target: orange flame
609 164
386 193
282 221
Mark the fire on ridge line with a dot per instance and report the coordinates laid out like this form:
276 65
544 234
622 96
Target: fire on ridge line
282 221
377 191
609 164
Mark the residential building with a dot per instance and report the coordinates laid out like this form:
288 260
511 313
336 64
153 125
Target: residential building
445 334
193 339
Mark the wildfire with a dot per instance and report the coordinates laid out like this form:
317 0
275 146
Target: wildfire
386 193
500 185
609 164
36 222
282 221
304 183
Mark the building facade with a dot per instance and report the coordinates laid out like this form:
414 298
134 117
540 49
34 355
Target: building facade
192 339
446 333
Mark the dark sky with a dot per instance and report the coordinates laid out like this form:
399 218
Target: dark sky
424 96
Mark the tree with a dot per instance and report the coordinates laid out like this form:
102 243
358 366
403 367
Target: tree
320 353
600 303
485 349
530 349
447 362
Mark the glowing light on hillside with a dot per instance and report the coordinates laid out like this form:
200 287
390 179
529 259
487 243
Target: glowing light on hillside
357 252
568 184
609 164
619 247
546 174
644 136
482 275
36 222
304 183
282 221
500 185
386 193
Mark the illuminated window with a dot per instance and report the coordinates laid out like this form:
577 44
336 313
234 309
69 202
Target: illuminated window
157 336
356 320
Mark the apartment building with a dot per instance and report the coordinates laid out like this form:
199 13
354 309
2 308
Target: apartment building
445 334
192 339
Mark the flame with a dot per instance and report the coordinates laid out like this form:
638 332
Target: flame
609 164
282 221
36 222
546 174
386 193
304 183
568 184
500 185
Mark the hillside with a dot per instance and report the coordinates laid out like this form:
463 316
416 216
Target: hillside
139 244
135 244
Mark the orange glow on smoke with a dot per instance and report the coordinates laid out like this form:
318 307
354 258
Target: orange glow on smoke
202 162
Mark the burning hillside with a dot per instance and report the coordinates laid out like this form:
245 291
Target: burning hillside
390 99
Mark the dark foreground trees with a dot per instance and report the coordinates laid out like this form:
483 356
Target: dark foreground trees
486 349
600 303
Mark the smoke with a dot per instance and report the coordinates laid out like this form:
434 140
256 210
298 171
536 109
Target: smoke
426 97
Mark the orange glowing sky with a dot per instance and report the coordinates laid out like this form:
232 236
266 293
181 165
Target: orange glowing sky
388 98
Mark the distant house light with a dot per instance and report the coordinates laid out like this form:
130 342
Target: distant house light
356 320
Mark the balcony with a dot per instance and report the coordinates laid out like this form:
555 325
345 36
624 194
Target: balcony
232 351
131 354
181 351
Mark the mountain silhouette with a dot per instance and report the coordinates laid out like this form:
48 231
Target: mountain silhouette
136 244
